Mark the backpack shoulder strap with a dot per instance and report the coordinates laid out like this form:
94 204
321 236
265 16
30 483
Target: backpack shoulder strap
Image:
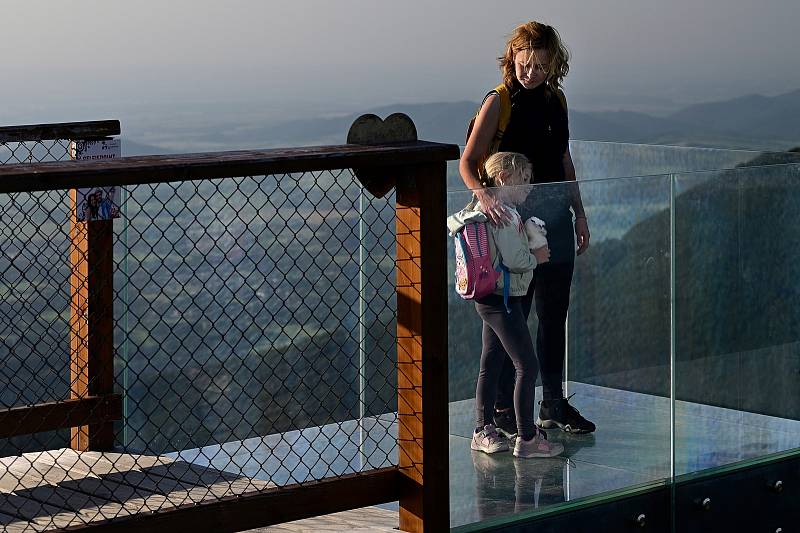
505 108
505 117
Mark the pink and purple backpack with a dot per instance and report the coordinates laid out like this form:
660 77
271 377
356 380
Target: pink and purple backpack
475 276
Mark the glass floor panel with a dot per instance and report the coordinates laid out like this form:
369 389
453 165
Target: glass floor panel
630 447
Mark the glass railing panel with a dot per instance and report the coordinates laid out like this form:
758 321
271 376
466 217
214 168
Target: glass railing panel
377 327
736 283
613 354
600 160
618 337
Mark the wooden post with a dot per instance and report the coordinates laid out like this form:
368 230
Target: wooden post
91 322
423 434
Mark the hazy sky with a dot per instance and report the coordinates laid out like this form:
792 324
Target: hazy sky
361 53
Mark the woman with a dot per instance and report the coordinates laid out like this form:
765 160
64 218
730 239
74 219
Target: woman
533 66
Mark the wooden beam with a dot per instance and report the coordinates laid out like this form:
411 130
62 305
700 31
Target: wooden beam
65 130
186 167
265 508
57 415
91 322
422 349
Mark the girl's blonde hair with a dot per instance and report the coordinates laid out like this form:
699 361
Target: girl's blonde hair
530 36
508 168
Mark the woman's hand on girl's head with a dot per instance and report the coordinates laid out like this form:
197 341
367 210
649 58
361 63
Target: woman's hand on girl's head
582 234
492 208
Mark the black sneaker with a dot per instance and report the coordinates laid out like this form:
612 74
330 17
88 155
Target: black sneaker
560 414
506 423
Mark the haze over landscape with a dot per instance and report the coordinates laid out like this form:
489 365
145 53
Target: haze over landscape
195 76
190 76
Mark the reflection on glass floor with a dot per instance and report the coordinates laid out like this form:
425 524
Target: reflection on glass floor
631 447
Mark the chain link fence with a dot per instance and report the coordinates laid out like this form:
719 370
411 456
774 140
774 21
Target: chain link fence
34 151
253 343
34 309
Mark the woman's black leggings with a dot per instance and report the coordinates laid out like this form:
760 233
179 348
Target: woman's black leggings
550 290
502 334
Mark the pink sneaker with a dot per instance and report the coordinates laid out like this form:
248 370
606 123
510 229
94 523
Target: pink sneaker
488 440
538 446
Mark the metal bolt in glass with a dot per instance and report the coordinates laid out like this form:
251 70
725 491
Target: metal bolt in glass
706 504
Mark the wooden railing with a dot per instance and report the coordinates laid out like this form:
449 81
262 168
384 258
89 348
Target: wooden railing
73 131
417 170
92 407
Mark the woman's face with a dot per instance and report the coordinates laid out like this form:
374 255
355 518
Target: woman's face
531 68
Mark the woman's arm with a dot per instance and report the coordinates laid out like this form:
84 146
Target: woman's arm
561 130
569 175
581 224
480 140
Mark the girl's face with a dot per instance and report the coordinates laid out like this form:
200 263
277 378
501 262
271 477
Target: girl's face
521 191
516 194
531 67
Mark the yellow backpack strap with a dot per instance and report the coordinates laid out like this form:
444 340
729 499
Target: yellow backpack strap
505 110
505 117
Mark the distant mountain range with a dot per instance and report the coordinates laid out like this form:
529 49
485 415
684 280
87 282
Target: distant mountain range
749 122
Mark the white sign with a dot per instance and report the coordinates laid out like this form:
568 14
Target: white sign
98 203
95 150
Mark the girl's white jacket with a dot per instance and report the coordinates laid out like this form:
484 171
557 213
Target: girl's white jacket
507 244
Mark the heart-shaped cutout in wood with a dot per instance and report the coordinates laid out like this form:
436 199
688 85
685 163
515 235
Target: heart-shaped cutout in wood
370 129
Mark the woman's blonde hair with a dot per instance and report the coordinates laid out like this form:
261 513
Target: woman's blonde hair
530 36
508 168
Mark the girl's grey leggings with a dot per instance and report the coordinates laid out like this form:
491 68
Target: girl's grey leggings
506 333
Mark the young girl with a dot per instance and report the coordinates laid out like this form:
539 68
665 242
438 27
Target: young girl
505 330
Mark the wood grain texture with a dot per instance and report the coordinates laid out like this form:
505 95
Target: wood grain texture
91 322
259 509
368 519
186 167
63 414
63 488
422 349
64 130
